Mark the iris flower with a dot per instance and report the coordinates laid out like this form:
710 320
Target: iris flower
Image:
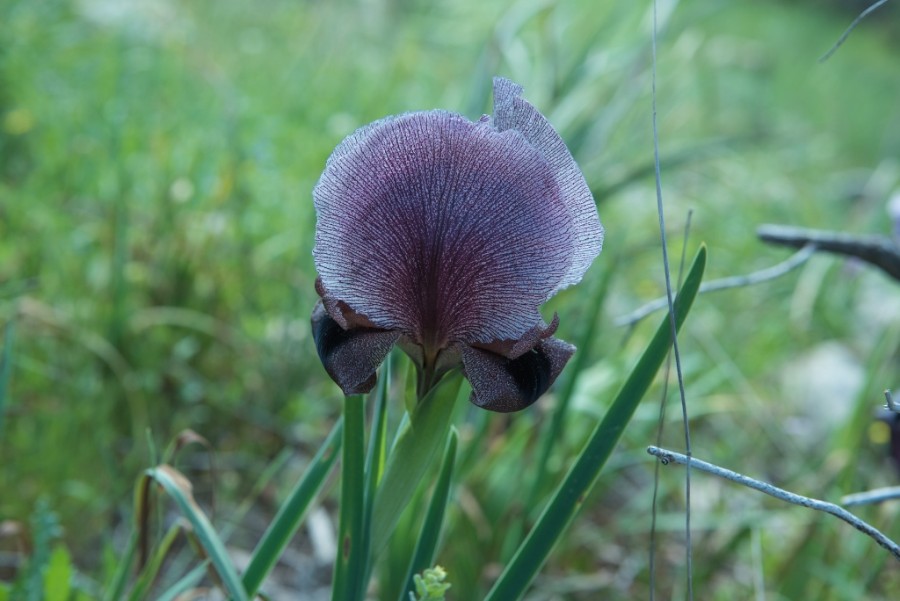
445 236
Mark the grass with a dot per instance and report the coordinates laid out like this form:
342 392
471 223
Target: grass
156 227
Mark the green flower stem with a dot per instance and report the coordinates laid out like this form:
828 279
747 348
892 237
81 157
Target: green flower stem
349 565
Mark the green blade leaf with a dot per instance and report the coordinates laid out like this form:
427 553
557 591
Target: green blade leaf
377 453
376 458
151 570
179 490
423 557
115 589
414 451
292 511
184 583
585 342
5 368
349 564
567 500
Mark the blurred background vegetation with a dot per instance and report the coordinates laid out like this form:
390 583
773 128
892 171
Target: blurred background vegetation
156 226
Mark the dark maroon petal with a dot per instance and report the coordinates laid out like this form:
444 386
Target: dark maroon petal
505 385
444 229
350 356
512 112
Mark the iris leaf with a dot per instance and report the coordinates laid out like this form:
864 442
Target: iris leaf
151 570
5 368
584 344
567 500
423 557
179 490
417 444
290 514
115 589
186 582
376 457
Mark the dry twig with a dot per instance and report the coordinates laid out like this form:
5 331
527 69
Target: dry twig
879 251
836 510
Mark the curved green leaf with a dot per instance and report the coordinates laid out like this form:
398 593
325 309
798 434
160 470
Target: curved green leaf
186 582
414 451
376 458
567 500
151 570
5 368
179 490
423 557
290 514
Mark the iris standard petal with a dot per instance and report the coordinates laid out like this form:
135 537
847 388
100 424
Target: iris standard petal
350 356
444 229
512 112
506 385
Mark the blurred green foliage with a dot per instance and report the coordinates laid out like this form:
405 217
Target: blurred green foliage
156 223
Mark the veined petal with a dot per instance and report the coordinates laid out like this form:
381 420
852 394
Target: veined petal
444 229
512 112
506 385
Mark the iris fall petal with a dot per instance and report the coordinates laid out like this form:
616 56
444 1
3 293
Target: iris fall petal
506 385
350 356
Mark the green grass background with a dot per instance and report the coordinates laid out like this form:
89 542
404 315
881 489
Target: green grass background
156 226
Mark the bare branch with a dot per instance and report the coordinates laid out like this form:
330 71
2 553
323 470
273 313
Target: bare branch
879 251
876 495
836 510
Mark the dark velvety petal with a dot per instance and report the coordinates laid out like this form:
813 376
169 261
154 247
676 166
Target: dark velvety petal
350 356
512 112
506 385
442 228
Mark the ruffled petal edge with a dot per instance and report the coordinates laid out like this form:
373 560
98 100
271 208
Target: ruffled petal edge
511 111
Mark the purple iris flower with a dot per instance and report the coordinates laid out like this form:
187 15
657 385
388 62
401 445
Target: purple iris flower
445 236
